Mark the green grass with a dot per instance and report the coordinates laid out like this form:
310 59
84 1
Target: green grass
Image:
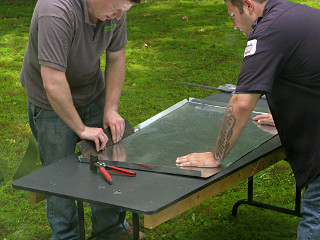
204 49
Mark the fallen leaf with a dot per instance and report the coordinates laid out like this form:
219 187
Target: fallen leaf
185 18
148 15
147 43
293 231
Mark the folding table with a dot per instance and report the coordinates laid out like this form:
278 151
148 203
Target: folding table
162 192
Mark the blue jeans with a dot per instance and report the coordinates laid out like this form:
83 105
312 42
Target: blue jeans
56 141
309 226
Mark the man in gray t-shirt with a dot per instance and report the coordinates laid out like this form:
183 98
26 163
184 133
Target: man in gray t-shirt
69 98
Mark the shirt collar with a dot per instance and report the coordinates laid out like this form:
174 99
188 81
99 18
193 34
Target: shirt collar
269 5
85 11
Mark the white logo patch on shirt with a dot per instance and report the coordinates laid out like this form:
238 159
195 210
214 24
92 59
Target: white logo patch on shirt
251 48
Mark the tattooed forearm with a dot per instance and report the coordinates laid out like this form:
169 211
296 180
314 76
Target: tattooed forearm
226 132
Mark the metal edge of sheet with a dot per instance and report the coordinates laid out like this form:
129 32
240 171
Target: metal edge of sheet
160 115
215 104
178 105
206 102
154 168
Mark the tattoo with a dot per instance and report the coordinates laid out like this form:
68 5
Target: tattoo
226 132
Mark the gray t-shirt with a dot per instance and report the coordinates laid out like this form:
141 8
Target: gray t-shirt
62 37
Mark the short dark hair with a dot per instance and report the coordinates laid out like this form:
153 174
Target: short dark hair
239 3
135 1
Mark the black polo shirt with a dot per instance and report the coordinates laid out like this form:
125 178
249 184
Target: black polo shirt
282 60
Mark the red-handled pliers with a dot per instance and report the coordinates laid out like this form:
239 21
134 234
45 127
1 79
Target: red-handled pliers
103 169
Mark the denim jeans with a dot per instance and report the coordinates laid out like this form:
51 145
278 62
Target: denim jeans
56 141
309 226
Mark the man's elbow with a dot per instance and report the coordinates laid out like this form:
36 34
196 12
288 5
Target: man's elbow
244 103
48 86
52 79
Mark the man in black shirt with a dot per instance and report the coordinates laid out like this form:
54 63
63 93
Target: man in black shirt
281 60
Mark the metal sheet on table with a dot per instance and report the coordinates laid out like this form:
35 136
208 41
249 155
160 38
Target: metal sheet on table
190 127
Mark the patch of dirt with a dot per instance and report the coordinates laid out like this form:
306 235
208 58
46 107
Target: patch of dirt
3 231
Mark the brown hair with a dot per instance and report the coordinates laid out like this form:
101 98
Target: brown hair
239 3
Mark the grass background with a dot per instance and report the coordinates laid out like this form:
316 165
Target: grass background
169 42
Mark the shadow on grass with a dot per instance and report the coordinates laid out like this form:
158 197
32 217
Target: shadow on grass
3 231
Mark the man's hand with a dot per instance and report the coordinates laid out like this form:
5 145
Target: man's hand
97 135
205 159
116 123
115 72
264 119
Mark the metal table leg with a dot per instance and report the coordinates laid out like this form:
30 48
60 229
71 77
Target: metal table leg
135 221
250 202
82 235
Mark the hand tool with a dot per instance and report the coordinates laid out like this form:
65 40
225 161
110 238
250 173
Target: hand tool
103 167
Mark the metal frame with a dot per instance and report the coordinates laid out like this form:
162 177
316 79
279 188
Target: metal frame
251 202
160 115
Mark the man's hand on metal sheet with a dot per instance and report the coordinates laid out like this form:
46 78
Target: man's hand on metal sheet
116 123
205 159
264 119
265 123
97 135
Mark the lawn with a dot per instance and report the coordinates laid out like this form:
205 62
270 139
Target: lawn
169 42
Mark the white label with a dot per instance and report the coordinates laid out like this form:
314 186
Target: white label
251 48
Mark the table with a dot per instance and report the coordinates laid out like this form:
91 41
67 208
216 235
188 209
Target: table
157 196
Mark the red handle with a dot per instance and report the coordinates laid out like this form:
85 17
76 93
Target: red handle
106 174
122 171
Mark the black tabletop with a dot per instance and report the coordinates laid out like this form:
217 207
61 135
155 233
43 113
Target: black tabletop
147 193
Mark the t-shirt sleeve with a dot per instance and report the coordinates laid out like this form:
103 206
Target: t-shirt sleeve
119 38
261 64
54 40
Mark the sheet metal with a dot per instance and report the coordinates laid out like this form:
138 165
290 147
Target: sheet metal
189 126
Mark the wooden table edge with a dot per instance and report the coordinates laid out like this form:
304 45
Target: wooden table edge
151 221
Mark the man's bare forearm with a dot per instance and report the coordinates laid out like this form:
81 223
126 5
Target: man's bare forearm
235 119
115 74
59 96
227 127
